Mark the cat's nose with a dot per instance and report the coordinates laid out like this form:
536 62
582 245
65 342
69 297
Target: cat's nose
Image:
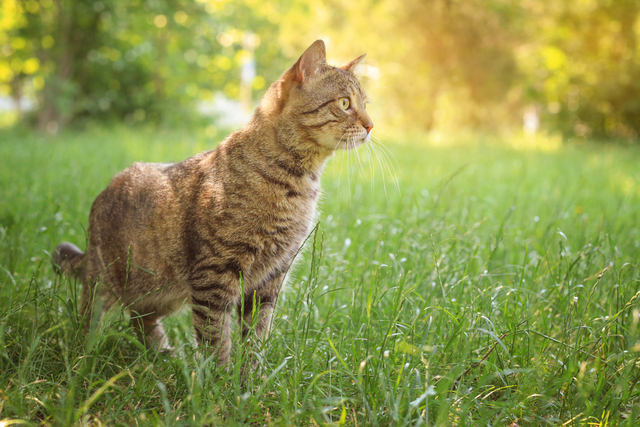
368 127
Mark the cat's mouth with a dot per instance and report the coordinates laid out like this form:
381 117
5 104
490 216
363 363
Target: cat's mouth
351 141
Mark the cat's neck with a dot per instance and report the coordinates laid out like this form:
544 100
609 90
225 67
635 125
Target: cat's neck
285 141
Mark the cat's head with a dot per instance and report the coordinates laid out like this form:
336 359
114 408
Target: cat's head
326 103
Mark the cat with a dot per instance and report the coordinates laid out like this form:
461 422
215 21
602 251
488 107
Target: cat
220 230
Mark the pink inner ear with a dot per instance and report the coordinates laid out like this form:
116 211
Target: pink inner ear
311 60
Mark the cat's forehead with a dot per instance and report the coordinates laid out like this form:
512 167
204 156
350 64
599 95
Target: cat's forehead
354 85
343 83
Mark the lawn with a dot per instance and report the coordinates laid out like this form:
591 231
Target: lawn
468 283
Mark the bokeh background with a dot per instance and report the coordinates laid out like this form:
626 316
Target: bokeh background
569 68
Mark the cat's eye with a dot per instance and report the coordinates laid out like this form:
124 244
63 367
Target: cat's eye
344 103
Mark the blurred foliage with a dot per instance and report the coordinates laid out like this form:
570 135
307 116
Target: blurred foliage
451 64
130 59
582 65
432 64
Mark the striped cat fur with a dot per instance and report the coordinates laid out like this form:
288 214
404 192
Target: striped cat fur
161 235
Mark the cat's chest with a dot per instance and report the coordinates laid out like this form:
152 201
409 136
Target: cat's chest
269 216
293 200
281 225
293 210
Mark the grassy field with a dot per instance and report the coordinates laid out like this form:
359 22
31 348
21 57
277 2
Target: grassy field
492 286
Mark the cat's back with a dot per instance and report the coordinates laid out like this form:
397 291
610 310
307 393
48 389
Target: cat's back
144 187
135 189
142 201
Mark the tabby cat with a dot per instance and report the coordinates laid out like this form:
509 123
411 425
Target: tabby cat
220 229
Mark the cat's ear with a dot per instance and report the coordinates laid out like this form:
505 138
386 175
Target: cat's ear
350 66
311 62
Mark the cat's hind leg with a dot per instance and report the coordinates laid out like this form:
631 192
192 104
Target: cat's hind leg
150 330
95 301
146 317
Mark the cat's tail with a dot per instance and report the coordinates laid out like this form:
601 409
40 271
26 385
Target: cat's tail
67 258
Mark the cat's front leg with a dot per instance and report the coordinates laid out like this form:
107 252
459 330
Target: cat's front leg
212 323
255 312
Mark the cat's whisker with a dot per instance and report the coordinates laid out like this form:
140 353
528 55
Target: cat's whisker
385 163
359 164
349 165
389 164
388 167
389 152
349 170
339 141
341 162
380 162
371 168
357 155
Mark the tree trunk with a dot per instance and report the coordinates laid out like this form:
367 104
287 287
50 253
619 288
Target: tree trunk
56 104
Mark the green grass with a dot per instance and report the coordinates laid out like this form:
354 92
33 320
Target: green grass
494 286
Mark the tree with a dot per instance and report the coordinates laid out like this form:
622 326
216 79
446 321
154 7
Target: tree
127 59
582 66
